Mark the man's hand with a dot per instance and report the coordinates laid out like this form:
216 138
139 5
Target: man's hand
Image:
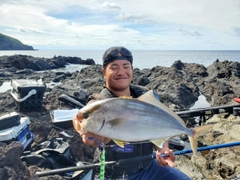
87 137
166 160
93 139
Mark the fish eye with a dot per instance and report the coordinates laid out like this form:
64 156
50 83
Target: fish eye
80 116
85 115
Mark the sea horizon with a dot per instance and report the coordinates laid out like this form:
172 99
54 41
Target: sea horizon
141 58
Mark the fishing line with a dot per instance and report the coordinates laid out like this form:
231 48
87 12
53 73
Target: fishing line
101 144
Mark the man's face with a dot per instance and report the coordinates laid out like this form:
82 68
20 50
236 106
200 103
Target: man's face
118 74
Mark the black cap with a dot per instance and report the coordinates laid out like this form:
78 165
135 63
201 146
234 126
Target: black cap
116 53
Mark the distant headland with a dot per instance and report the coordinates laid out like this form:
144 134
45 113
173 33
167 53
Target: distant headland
10 43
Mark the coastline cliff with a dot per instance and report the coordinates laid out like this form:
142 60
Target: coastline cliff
10 43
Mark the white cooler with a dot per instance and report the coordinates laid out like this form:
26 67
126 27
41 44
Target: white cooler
19 133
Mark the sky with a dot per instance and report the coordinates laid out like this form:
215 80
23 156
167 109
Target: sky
135 24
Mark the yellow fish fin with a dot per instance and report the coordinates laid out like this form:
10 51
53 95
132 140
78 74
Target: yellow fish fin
115 122
198 131
94 108
119 143
150 98
159 142
126 97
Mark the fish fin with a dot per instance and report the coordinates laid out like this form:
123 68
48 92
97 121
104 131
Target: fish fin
197 132
115 122
126 97
159 142
94 108
150 98
119 143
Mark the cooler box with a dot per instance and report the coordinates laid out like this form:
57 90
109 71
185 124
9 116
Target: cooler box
63 118
9 120
19 133
28 94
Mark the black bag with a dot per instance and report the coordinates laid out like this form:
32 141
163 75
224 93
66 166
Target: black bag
53 154
72 101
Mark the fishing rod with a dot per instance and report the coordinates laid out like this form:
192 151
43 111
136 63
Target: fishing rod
218 146
208 112
130 160
90 166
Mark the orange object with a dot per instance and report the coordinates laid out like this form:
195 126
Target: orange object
237 100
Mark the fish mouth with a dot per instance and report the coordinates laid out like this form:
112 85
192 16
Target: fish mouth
78 122
77 125
84 119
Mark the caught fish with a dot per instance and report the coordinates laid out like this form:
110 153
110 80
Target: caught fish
131 120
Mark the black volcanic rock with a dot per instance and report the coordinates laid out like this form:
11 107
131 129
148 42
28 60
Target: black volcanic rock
21 62
9 43
178 86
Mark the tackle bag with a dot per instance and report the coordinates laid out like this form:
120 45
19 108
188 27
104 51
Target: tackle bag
72 101
53 154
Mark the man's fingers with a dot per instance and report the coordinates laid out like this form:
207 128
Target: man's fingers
162 162
166 160
170 163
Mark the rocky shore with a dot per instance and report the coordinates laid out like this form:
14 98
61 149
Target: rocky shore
178 86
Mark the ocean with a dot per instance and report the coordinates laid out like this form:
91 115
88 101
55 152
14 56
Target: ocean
143 58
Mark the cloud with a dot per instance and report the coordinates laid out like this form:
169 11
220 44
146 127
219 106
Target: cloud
140 24
235 31
133 17
112 6
189 33
26 30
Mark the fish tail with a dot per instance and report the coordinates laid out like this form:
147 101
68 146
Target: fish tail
197 132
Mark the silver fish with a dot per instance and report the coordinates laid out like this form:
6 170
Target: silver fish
131 120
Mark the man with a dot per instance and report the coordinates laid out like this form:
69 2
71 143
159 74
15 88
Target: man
118 73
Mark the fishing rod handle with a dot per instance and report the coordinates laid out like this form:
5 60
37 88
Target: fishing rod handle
71 169
134 160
